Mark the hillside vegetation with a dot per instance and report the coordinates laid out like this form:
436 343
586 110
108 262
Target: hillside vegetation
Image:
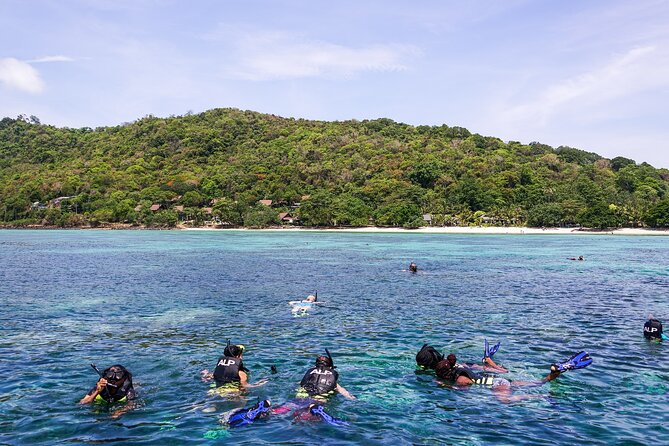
217 165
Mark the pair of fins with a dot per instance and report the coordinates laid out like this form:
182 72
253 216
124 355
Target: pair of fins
318 410
579 361
244 417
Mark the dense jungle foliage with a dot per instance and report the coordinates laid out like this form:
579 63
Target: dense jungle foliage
217 165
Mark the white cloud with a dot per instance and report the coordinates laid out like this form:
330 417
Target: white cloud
635 71
52 59
18 75
268 56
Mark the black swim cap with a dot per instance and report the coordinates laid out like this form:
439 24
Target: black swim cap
428 356
233 350
324 361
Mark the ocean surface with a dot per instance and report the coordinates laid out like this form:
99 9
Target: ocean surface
164 304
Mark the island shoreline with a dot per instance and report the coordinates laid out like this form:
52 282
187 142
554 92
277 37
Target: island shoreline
462 230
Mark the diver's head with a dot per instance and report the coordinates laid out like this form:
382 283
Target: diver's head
116 375
428 356
452 360
324 361
444 369
234 351
311 298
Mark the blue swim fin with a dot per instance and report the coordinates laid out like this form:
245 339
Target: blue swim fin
578 361
246 416
489 352
317 409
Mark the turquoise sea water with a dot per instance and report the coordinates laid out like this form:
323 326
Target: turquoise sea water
164 303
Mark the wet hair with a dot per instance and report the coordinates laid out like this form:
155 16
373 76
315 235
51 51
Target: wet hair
428 356
324 361
452 360
445 369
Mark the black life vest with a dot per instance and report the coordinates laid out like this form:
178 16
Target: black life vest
652 329
227 370
320 380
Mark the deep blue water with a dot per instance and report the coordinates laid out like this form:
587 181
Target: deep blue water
164 303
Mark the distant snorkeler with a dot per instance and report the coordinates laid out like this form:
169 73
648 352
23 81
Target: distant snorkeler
302 306
449 372
652 330
576 258
413 268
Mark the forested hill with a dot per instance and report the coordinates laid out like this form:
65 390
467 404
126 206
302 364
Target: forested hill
218 165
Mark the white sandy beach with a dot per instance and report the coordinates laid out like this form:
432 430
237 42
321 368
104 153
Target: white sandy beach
470 230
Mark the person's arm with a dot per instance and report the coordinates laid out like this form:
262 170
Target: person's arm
95 391
244 381
345 393
206 375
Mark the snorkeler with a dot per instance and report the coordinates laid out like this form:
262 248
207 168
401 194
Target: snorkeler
652 329
449 372
413 268
114 386
428 357
320 381
576 258
302 306
230 375
317 385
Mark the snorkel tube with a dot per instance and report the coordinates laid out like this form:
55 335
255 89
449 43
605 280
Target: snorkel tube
97 370
330 357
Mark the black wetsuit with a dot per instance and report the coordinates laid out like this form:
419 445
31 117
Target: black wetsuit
227 370
320 380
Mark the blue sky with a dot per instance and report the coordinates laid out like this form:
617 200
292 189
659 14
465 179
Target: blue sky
587 74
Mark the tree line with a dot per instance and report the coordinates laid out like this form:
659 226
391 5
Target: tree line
219 164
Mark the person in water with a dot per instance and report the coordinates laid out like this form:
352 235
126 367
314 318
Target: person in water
413 267
577 258
304 305
317 385
230 373
451 373
652 330
321 381
428 357
114 386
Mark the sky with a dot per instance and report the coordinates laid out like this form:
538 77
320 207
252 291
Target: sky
589 74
